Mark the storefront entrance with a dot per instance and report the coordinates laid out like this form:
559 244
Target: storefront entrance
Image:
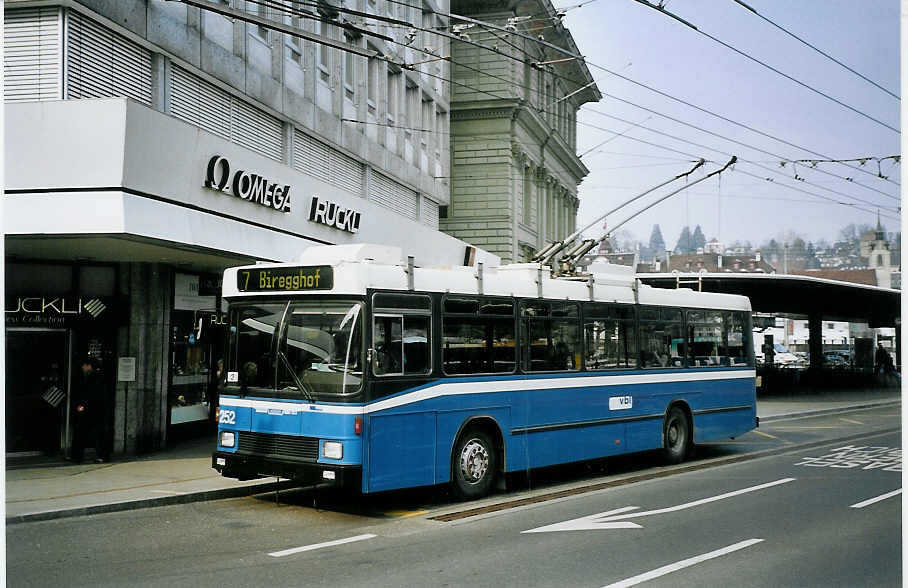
37 391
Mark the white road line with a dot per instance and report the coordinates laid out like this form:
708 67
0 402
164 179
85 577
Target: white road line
320 545
685 563
706 500
877 499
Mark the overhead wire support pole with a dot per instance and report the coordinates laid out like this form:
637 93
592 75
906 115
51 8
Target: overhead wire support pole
549 252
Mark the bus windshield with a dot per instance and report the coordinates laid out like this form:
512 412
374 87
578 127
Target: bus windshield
318 354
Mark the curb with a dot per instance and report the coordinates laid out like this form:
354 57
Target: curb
223 493
200 496
823 411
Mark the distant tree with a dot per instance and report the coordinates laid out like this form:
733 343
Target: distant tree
852 233
772 251
656 242
745 245
812 261
698 239
684 241
625 240
797 248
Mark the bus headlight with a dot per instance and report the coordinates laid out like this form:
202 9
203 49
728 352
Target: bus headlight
333 450
227 439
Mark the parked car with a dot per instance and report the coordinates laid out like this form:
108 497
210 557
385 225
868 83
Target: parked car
837 358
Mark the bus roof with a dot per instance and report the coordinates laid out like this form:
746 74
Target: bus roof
352 270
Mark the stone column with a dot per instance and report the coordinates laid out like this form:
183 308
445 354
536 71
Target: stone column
140 418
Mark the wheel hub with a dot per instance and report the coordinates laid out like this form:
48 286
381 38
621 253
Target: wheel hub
474 461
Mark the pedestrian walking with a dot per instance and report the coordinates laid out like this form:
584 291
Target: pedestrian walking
89 410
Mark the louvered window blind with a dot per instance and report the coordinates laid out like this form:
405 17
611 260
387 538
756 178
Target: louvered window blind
101 63
217 111
31 57
393 195
429 212
322 161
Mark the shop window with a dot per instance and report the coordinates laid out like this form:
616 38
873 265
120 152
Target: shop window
196 347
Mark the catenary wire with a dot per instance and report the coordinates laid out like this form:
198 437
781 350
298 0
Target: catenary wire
817 49
488 25
773 69
608 130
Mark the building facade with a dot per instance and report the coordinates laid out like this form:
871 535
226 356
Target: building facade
151 144
513 128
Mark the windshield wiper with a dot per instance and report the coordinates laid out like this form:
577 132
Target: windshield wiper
299 383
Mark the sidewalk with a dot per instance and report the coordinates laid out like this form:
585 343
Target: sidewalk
184 474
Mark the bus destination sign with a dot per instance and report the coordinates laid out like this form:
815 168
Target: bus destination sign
282 279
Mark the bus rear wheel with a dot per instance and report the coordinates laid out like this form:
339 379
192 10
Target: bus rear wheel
676 436
475 464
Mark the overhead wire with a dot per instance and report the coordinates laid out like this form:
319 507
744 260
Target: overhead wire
725 153
817 49
283 8
491 27
780 158
771 68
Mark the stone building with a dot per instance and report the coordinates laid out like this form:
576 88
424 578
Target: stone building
126 121
513 128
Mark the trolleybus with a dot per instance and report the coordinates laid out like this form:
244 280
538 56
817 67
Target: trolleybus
353 368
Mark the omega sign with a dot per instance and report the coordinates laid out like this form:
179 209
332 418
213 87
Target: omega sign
334 215
245 185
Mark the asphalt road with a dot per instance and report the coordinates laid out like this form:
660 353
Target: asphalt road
804 513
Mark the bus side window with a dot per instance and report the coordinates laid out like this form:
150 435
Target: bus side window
401 334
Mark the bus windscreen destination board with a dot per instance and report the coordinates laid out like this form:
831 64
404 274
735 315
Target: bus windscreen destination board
282 279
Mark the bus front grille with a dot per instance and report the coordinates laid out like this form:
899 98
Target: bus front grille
281 446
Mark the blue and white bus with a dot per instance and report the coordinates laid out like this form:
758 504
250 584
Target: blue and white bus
353 368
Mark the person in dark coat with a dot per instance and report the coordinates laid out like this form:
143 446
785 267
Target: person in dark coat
88 410
881 360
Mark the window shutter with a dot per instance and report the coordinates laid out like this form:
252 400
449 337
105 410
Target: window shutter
255 129
215 110
199 103
347 173
100 63
429 212
393 195
321 161
31 57
311 157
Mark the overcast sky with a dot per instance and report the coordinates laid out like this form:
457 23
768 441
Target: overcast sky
653 49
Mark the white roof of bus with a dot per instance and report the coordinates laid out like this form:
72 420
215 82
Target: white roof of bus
358 268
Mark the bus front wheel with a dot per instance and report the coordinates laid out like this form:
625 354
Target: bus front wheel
676 435
475 464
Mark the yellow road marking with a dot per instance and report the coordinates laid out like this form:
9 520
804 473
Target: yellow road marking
851 421
803 428
405 514
767 435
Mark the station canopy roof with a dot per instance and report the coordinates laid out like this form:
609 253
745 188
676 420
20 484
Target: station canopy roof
793 295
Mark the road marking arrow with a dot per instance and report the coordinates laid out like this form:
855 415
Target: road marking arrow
612 519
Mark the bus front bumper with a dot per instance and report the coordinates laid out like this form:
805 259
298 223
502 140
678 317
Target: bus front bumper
249 467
